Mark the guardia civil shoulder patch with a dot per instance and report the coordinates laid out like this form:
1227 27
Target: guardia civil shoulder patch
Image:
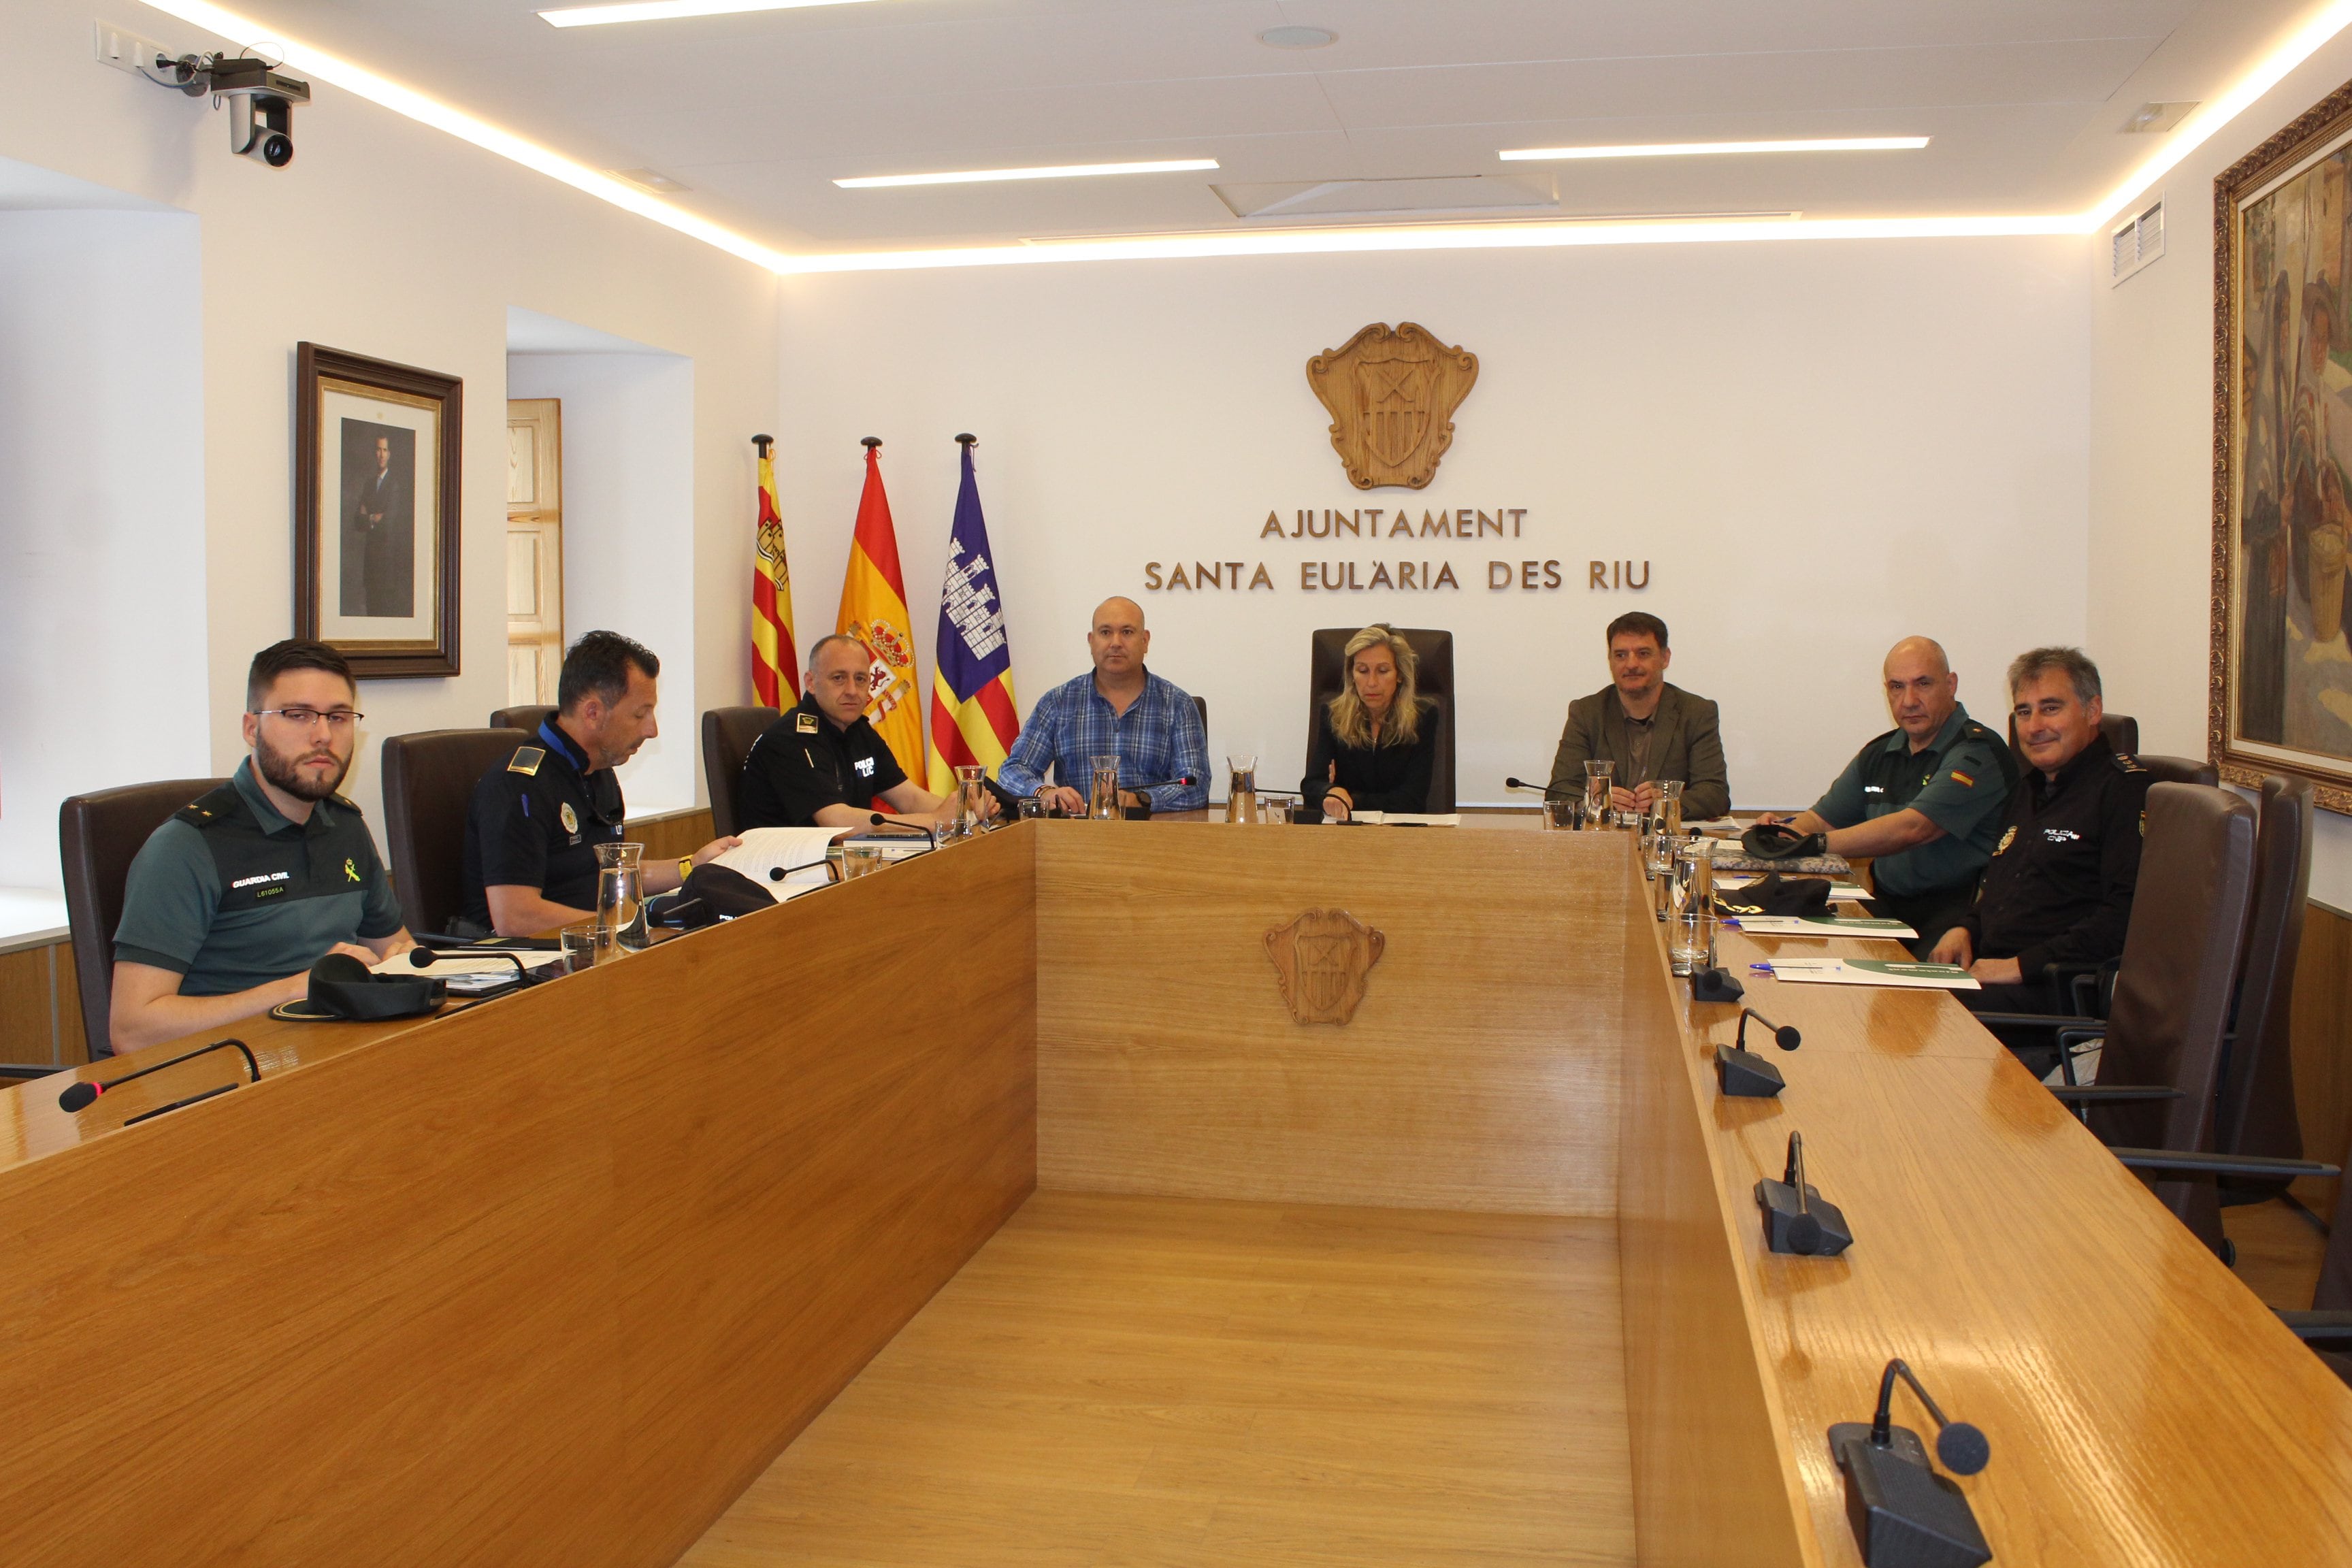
526 760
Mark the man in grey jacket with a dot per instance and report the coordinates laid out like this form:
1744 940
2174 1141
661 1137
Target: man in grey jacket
1650 729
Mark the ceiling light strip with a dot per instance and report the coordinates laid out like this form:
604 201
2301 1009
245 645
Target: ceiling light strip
1059 171
2193 133
363 83
1708 148
1450 236
670 10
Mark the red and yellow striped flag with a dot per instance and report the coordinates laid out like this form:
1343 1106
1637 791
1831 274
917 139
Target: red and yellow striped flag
873 611
775 661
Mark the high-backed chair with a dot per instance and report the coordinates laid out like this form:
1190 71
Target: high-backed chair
1202 704
2254 1112
726 737
2121 730
98 835
527 718
1433 651
428 785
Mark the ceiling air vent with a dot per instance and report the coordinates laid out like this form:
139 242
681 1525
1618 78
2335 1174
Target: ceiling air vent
2137 243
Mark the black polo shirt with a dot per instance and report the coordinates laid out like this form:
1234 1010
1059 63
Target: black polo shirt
804 762
536 821
2060 887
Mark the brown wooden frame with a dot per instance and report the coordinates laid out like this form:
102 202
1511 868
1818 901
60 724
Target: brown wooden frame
373 659
2325 121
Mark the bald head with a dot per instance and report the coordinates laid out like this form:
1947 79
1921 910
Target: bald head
1921 690
1118 643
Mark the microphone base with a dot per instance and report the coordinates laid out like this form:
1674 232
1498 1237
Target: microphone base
1743 1075
1778 1202
1717 985
1904 1514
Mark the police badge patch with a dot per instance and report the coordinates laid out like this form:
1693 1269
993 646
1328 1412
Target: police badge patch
571 819
2005 838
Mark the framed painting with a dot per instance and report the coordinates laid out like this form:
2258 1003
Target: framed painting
376 510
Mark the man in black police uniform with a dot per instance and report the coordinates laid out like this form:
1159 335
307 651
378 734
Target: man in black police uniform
1923 800
538 816
231 901
822 765
2060 887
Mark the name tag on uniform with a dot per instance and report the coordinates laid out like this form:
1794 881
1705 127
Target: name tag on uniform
256 881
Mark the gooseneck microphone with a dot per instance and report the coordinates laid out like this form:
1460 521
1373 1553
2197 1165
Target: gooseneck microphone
80 1096
1787 1038
1803 1233
1964 1449
1546 790
1181 779
425 958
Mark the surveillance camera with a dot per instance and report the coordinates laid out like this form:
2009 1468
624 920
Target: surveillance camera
261 109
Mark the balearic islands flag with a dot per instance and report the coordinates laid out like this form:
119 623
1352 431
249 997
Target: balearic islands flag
972 716
873 611
775 662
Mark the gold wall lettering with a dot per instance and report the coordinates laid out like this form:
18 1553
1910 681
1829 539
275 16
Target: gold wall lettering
1392 394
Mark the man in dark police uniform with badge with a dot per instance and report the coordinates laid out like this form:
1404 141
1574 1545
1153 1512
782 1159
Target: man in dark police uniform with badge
822 765
538 817
231 901
1923 800
2063 871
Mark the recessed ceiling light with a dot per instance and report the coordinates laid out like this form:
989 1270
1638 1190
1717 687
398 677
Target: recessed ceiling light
1697 149
1062 171
667 10
649 180
2153 119
1297 37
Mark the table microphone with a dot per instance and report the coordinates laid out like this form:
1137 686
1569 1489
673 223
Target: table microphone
1184 779
80 1096
1546 790
425 958
1787 1038
1804 1232
1964 1449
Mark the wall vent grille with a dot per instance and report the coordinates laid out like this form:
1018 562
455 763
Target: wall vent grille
2137 243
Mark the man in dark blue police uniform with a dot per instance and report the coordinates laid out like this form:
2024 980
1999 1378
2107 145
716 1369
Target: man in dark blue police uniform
822 765
539 815
1923 801
231 901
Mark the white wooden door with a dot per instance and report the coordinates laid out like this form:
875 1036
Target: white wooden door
534 548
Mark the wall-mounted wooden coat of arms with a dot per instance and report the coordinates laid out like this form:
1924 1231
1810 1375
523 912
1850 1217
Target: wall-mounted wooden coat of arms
1393 394
1323 959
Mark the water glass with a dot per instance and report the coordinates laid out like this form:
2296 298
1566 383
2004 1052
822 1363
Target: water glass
1560 814
1035 807
1599 780
1690 938
861 859
580 944
1102 793
1240 789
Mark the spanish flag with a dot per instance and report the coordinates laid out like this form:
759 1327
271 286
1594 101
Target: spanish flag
775 662
972 716
873 611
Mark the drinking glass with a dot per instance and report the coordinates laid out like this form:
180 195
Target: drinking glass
620 899
580 944
969 789
860 860
1690 939
1102 796
1560 814
1598 779
1240 789
1034 807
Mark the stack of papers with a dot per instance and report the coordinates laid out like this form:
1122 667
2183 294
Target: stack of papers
1408 818
1874 972
1822 925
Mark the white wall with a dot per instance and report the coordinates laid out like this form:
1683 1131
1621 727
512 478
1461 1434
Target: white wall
101 516
389 239
1818 446
628 532
2152 456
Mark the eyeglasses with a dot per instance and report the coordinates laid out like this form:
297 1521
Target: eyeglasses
338 720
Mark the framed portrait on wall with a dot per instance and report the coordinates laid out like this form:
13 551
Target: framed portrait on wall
377 512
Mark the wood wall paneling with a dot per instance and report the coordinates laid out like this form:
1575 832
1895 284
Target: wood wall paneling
672 834
40 1011
1479 1072
2321 1034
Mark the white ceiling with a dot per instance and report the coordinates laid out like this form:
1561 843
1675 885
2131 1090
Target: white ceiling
760 113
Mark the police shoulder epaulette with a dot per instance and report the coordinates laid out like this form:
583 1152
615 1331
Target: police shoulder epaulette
526 760
805 724
2128 763
208 807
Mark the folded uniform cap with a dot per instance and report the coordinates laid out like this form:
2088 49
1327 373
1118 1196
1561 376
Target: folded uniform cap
343 988
1774 894
1779 841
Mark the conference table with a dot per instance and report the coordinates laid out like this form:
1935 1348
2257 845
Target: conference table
1000 1208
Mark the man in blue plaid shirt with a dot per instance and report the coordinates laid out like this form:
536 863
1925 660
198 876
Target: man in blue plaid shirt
1123 709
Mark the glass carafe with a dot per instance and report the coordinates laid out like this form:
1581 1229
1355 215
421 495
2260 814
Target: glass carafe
1240 789
621 898
1599 786
1690 905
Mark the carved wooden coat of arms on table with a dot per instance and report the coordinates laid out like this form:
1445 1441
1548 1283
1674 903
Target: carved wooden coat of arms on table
1323 959
1393 394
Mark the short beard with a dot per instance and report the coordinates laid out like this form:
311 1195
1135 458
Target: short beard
279 769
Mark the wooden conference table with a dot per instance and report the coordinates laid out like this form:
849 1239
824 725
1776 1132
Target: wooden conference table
553 1280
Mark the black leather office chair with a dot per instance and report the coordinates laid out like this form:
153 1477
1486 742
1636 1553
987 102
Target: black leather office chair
1202 704
1434 652
726 737
428 786
2254 1113
527 718
98 836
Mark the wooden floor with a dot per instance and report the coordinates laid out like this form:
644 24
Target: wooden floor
1120 1380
